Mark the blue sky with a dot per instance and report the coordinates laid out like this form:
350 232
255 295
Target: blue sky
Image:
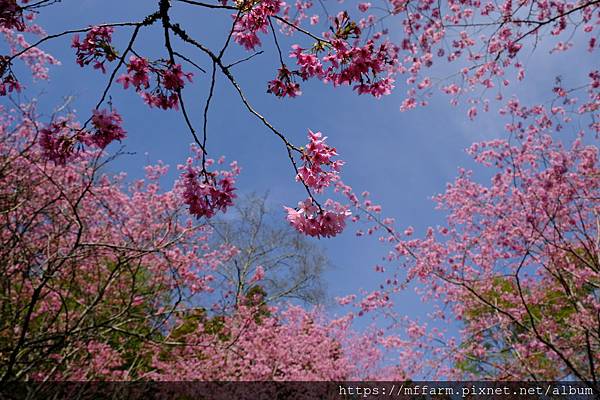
401 158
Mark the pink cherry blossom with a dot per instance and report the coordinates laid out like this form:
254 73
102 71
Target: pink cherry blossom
319 169
308 219
57 142
206 192
284 84
169 80
370 69
255 20
95 47
107 126
364 7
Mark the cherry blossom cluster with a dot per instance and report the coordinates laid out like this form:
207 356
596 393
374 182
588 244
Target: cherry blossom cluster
11 15
58 142
312 220
60 138
284 84
103 360
300 8
108 127
34 58
369 68
319 169
95 47
254 19
169 80
204 192
486 39
9 81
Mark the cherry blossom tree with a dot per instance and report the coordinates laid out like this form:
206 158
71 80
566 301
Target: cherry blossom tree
521 270
86 263
516 264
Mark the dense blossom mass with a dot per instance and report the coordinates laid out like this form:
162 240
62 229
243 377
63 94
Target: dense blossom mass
206 192
62 137
57 142
107 126
369 69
